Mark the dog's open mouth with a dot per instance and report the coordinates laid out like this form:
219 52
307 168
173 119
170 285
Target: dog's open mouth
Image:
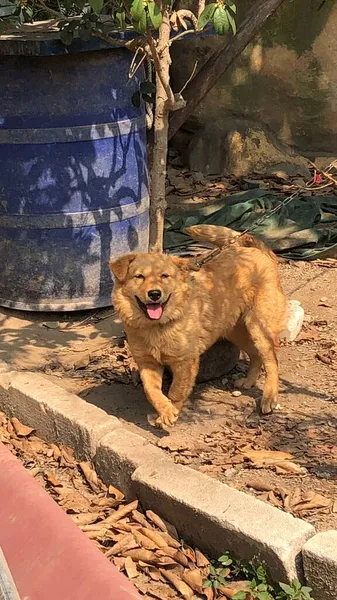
153 310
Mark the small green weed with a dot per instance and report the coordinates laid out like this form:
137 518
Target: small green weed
254 579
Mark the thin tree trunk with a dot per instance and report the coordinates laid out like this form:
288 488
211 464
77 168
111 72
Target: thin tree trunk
159 156
222 59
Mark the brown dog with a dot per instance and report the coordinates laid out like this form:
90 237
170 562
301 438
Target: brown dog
173 314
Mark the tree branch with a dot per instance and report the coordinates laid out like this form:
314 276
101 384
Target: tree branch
165 80
222 59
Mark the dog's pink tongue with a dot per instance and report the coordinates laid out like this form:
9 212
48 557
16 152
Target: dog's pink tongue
154 311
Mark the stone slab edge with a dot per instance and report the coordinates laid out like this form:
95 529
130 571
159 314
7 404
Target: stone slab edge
206 512
320 564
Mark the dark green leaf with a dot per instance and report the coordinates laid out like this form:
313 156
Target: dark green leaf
148 99
147 87
261 573
220 20
137 9
239 596
84 33
205 17
263 596
120 18
231 5
222 580
155 14
66 36
96 5
212 570
141 25
135 99
286 588
231 22
306 589
215 584
207 584
263 587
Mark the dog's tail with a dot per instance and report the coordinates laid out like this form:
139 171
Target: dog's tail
220 236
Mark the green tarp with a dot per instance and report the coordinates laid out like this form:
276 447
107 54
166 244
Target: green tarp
304 229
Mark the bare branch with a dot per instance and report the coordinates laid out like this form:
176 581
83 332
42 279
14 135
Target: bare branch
160 72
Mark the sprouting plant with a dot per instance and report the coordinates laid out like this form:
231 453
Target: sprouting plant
295 591
255 577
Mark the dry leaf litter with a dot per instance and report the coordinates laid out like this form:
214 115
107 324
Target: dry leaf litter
142 545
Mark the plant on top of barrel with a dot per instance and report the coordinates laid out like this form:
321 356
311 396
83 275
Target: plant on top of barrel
157 25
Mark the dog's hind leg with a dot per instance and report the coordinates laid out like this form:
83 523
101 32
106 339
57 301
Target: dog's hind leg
241 338
184 375
265 342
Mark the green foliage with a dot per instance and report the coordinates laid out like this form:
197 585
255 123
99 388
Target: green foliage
221 15
85 18
226 569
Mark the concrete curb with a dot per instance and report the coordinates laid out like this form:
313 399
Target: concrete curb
320 565
205 512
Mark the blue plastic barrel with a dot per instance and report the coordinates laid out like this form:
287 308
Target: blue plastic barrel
73 176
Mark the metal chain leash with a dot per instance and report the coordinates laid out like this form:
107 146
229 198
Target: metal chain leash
197 263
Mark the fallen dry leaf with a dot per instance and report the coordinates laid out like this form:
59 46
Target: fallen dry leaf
140 554
312 501
119 562
288 467
130 568
236 586
259 486
201 559
156 520
85 518
266 457
181 586
90 475
194 579
52 480
121 512
116 493
127 542
67 457
71 500
144 541
139 518
20 429
155 536
177 555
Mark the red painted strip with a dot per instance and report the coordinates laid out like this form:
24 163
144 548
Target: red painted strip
48 556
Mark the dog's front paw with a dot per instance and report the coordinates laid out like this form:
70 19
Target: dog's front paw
168 416
268 404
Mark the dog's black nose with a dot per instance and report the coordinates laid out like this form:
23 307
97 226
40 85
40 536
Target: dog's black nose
154 295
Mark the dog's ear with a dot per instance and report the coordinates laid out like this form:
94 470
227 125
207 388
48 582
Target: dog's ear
120 266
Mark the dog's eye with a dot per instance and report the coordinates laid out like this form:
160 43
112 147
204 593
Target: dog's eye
139 276
165 276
